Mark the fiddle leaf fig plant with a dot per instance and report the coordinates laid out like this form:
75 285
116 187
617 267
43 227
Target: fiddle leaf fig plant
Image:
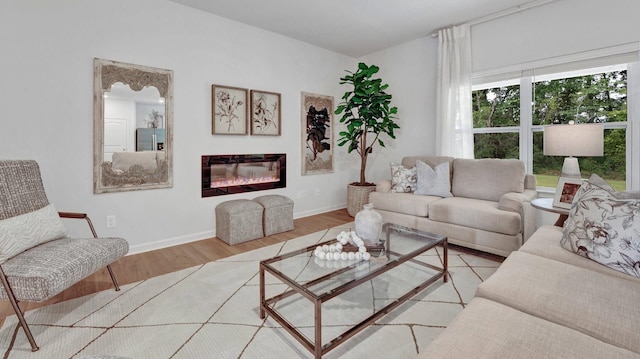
367 113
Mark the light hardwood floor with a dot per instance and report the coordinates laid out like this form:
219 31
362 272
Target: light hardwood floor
137 267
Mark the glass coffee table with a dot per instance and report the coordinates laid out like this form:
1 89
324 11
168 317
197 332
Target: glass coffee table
303 284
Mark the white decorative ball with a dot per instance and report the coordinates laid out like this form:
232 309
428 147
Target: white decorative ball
338 247
362 249
344 255
336 256
358 256
351 256
332 248
366 256
325 248
321 255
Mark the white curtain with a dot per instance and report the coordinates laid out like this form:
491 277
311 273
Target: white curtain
454 123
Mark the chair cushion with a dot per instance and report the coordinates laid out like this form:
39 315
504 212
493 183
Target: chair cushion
19 233
21 189
475 213
45 270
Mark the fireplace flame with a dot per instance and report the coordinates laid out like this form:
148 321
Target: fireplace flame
241 181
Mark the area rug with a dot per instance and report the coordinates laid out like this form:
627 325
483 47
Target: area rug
211 311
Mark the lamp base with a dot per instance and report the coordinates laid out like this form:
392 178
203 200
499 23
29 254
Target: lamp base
570 168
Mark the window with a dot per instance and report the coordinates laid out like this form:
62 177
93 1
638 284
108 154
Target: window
509 118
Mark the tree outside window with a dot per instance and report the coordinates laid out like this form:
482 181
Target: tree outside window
599 96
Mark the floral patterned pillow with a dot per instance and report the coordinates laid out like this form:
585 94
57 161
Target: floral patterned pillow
403 179
604 228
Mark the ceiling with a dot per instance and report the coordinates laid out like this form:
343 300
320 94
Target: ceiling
353 27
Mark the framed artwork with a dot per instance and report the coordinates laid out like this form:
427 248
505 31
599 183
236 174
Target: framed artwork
566 190
265 113
229 111
317 133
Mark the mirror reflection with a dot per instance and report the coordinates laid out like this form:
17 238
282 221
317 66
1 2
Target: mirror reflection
132 109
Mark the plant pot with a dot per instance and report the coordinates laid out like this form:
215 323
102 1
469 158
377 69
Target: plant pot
357 197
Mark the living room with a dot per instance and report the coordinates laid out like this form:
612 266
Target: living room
47 75
56 43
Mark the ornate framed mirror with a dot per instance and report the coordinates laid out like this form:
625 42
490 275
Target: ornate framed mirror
132 127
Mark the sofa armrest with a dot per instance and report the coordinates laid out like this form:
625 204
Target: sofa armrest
530 182
521 203
383 186
513 201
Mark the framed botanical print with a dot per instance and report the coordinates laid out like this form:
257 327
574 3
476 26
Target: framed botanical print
229 110
317 133
265 113
566 190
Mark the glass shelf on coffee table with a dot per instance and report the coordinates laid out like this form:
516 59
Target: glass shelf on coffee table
362 291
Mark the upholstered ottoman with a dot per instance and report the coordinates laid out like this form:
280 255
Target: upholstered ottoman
238 221
278 213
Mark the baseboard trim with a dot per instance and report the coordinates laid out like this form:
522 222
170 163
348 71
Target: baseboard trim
170 242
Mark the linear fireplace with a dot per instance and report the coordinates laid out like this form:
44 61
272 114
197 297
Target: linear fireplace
229 174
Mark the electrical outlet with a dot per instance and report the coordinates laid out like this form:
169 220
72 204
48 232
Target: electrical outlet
111 221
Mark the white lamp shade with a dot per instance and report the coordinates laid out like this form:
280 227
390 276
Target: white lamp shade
581 140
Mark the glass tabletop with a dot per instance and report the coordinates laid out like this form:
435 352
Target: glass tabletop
322 277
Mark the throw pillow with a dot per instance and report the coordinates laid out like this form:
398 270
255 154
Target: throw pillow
19 233
598 181
403 179
604 229
433 181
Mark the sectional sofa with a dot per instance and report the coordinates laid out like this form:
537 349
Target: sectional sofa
488 207
570 292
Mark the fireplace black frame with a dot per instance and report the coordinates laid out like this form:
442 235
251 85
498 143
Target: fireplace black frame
209 160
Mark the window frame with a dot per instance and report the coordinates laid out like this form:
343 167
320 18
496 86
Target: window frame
526 129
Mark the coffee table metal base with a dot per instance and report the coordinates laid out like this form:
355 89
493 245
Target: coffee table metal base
315 346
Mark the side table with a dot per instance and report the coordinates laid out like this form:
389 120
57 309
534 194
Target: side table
546 204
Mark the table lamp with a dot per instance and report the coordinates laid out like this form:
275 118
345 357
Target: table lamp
573 140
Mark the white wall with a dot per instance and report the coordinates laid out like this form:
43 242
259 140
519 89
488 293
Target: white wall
410 71
562 27
47 89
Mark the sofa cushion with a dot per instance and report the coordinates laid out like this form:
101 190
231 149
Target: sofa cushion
593 303
403 179
406 203
604 229
487 178
433 181
486 329
475 213
19 233
545 242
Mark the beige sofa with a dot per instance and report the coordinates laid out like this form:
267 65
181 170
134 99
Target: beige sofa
545 301
490 208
